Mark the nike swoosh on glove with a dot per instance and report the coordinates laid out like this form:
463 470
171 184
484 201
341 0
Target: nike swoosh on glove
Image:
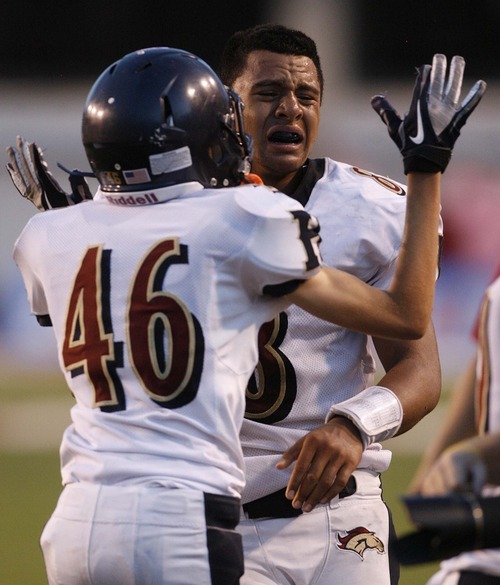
427 134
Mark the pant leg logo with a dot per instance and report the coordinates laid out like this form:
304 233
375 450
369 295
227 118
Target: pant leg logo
359 540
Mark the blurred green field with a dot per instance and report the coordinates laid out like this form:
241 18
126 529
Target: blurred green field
30 485
395 481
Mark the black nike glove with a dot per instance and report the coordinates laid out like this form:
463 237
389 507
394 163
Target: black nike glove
31 177
427 133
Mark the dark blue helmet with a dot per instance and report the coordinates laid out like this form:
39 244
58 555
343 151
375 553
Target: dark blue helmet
159 117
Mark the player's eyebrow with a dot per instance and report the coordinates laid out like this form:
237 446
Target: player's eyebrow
266 82
276 82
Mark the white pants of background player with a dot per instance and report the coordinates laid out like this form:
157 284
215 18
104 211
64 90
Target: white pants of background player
345 541
133 535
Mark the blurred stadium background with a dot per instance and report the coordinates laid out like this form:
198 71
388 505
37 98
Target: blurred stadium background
49 57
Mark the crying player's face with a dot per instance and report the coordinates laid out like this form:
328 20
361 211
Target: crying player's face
282 97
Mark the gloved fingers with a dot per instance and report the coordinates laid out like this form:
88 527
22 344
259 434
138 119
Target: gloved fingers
472 99
466 108
422 84
437 76
13 166
27 159
386 111
455 79
17 178
20 166
40 165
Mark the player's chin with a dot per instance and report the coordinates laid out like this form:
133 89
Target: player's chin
284 159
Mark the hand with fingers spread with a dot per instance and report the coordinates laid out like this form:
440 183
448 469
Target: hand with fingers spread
427 133
31 177
324 461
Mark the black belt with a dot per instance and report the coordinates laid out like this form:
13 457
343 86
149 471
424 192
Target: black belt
276 505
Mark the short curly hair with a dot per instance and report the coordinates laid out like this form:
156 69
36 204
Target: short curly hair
267 37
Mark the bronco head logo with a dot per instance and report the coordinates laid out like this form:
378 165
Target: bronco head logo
359 540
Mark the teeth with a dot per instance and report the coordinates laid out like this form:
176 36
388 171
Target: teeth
285 137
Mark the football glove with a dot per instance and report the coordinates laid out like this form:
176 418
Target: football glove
459 468
31 177
426 135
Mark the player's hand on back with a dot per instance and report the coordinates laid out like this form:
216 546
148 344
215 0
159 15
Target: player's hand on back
325 459
31 177
426 134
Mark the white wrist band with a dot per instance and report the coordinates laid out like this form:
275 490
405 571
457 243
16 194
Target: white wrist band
376 411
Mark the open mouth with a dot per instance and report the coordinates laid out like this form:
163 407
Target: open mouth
282 137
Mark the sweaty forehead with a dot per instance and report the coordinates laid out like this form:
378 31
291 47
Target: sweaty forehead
288 70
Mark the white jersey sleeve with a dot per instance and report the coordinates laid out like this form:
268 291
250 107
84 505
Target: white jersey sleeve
26 254
284 241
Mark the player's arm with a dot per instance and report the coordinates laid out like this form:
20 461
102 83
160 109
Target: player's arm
425 137
457 458
404 309
335 448
457 426
413 373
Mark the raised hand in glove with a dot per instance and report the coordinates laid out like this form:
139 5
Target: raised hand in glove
427 133
31 177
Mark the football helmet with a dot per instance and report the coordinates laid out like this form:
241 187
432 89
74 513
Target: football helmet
161 116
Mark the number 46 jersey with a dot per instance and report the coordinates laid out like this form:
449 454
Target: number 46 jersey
156 309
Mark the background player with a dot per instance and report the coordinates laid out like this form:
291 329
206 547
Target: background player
465 453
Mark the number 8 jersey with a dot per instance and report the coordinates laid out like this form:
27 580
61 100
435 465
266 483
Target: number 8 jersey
156 310
306 364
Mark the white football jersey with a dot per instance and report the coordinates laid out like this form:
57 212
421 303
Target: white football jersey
306 364
488 421
488 361
156 310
